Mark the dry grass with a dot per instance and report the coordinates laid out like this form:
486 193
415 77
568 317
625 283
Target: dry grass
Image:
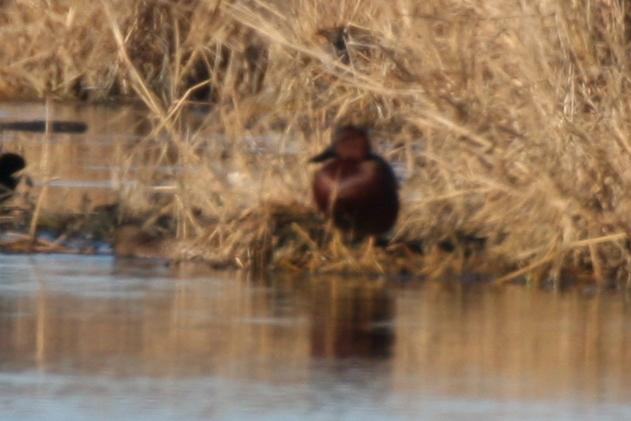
511 119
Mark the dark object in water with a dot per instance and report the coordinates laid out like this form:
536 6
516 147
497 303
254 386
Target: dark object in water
10 163
357 188
39 126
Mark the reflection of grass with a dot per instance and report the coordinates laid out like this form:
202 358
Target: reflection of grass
511 123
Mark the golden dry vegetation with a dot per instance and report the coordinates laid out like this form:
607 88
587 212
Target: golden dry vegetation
509 119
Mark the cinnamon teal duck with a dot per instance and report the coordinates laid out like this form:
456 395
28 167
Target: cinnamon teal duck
356 187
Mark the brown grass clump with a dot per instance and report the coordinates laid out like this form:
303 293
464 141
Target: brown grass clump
510 120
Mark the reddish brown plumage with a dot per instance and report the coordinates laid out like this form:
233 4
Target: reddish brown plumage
357 188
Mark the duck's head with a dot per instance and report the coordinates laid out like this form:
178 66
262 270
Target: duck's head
349 143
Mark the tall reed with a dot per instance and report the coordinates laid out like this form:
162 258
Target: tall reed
509 119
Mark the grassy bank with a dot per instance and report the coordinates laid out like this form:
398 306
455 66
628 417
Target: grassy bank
510 120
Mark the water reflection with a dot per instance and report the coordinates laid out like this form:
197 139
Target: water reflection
351 319
72 164
87 332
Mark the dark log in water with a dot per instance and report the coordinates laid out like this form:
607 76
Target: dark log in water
39 126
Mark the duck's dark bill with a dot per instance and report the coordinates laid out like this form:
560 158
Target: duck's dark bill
328 153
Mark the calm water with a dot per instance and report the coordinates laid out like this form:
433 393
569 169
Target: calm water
89 337
92 338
